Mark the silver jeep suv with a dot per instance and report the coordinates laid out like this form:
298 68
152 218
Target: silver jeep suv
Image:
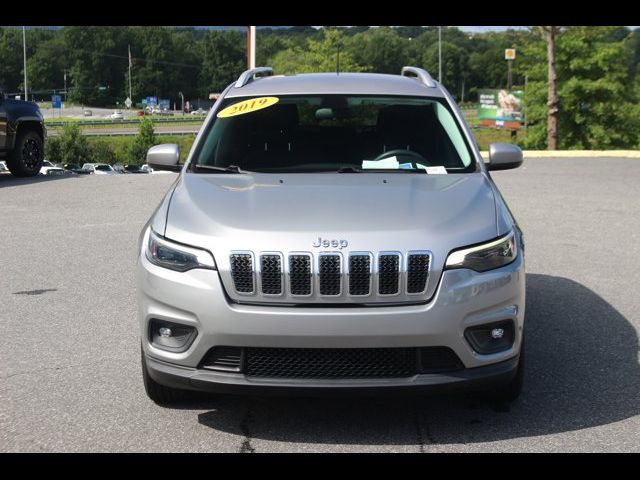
332 232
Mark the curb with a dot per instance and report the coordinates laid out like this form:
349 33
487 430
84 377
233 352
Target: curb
576 153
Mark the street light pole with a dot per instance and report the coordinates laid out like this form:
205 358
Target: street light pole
440 54
24 49
182 97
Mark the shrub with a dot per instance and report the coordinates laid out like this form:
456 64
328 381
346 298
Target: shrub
145 139
52 150
73 146
101 151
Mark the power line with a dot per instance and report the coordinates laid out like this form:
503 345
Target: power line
148 60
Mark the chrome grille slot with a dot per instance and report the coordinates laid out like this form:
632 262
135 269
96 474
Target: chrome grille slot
242 272
271 274
300 274
359 274
330 275
417 272
388 273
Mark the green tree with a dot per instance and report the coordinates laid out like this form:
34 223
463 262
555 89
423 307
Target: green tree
317 56
379 50
223 60
145 139
597 91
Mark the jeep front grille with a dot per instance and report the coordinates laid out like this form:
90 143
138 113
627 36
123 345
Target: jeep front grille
417 272
388 273
271 274
242 272
359 274
300 274
356 277
330 275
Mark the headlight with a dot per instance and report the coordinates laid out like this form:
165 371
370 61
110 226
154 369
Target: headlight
175 256
487 256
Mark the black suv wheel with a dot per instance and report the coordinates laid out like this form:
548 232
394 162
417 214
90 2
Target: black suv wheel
27 155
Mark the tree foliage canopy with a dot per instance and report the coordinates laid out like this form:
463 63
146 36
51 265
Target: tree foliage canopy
597 67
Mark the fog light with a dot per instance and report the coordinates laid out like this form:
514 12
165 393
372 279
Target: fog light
165 332
170 336
495 333
491 338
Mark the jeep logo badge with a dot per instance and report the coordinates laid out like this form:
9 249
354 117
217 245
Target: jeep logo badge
330 243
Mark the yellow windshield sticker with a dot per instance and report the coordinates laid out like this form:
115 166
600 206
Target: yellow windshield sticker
247 106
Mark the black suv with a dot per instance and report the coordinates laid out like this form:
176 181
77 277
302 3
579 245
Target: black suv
22 135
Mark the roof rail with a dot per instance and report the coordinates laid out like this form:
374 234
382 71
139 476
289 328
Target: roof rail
419 74
249 76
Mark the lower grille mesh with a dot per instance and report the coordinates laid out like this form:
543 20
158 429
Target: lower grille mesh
331 362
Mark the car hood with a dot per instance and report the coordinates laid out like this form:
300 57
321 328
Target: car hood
372 212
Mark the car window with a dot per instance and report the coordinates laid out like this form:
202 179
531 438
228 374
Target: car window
103 168
331 132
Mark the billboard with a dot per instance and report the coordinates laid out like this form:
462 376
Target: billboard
500 105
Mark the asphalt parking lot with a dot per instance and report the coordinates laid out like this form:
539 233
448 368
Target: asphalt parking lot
70 375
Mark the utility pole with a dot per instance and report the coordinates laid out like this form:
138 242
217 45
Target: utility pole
130 63
24 49
440 54
462 96
182 97
251 47
65 85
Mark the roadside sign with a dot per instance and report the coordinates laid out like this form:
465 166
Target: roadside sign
510 54
56 101
165 103
500 108
128 102
152 101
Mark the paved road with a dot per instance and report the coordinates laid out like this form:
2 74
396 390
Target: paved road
70 374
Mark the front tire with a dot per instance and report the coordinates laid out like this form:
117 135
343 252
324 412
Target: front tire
25 160
159 393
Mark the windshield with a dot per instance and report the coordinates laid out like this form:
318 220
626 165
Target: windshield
327 133
104 168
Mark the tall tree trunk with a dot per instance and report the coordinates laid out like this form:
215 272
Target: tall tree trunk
552 102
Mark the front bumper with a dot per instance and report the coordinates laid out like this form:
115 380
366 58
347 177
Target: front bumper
470 379
464 298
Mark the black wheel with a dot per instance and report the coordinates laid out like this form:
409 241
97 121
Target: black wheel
512 390
159 393
27 155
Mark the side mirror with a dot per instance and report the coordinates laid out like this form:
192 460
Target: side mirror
504 156
164 157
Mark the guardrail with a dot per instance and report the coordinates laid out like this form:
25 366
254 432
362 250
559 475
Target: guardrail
88 123
130 133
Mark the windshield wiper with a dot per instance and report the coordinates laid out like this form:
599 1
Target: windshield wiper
211 169
349 170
